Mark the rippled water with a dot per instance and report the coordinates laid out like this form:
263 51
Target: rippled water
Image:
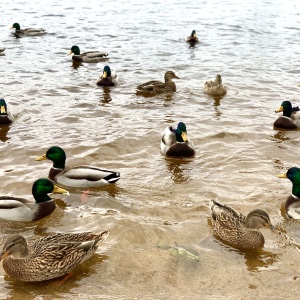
254 46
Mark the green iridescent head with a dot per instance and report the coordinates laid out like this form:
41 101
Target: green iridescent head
286 108
17 26
42 187
57 155
106 72
193 34
3 107
75 49
181 133
293 174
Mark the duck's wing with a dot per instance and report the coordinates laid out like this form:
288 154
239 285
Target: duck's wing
168 137
95 54
218 208
150 85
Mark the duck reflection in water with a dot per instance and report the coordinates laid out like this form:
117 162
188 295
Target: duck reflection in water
3 133
76 64
259 260
106 98
179 169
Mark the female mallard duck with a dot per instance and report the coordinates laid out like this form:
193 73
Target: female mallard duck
89 57
215 88
239 231
5 117
292 204
192 38
23 210
175 142
27 31
48 257
290 119
108 77
79 176
156 87
2 53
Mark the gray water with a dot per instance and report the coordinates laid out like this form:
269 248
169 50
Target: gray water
254 46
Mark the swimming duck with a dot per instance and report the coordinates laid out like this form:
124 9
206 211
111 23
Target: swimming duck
2 53
27 31
108 77
175 142
239 231
48 257
292 204
290 119
89 57
79 176
23 210
215 88
5 117
192 38
155 87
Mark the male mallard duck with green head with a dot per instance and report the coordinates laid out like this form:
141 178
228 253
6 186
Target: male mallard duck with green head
154 87
5 117
215 88
292 204
79 176
176 143
89 57
108 77
27 31
23 210
48 257
290 119
237 230
192 38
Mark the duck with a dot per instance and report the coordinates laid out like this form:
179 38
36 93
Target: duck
78 176
5 117
24 210
108 77
2 53
154 87
215 88
88 57
237 230
192 38
175 142
290 119
27 31
292 204
48 257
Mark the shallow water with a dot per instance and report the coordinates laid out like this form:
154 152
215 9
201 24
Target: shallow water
254 46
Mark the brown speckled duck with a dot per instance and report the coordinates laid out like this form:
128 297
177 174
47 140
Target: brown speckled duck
239 231
290 119
154 87
48 257
215 88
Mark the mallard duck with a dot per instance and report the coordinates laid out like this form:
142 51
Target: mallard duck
79 176
175 142
23 210
290 119
156 87
192 38
48 257
215 88
239 231
2 53
89 57
27 31
5 117
108 77
292 204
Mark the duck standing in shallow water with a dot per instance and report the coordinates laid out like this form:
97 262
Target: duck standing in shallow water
215 88
176 143
48 257
5 117
290 118
23 210
292 204
239 231
192 39
108 77
154 87
27 31
79 176
89 57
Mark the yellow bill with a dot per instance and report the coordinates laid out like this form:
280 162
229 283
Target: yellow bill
280 109
283 175
59 190
43 157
